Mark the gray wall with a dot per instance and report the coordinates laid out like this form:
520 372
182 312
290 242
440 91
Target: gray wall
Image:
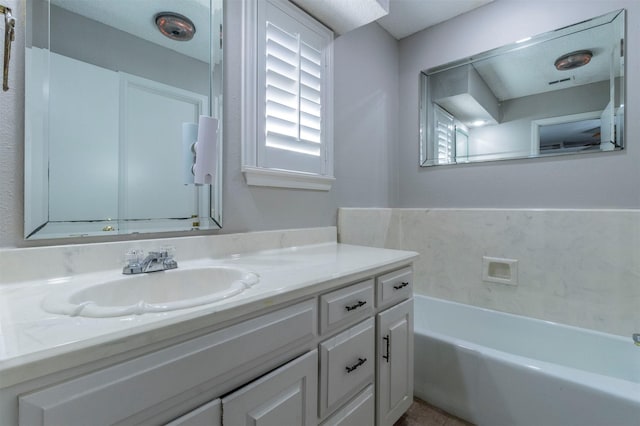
365 108
366 90
376 129
608 180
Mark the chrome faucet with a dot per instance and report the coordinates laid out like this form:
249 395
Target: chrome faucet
153 262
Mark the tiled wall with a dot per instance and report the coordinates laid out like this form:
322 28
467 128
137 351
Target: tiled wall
577 267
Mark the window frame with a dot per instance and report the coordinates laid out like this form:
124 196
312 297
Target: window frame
253 135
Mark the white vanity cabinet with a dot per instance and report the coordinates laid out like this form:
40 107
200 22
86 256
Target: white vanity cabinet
287 396
155 387
394 375
341 354
394 378
366 371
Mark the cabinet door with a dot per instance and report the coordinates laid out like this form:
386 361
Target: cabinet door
395 362
286 396
143 388
358 412
210 414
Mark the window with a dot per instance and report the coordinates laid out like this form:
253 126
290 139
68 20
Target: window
444 135
287 112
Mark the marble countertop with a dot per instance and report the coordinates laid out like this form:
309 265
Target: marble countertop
34 342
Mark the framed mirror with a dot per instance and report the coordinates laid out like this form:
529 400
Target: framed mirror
113 91
557 93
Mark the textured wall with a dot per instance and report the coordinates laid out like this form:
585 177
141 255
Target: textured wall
577 267
11 138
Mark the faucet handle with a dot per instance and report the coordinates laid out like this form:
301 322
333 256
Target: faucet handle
134 256
168 252
133 259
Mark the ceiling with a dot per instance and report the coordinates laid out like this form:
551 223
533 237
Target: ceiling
407 17
136 17
509 76
530 71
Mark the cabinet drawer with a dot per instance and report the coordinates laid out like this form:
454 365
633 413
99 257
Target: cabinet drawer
209 414
346 365
346 306
143 386
286 396
360 411
394 286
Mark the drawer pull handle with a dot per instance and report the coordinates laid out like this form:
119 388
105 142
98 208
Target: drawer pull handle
386 339
356 365
402 285
356 306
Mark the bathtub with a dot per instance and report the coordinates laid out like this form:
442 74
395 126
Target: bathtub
494 369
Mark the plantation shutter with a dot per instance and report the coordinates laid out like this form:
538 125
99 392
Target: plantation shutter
293 66
444 133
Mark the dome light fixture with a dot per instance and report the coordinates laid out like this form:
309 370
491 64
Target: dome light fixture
573 60
175 26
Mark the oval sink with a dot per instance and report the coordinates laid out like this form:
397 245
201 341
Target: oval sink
152 292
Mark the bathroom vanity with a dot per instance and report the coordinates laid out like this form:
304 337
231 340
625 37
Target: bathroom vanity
325 337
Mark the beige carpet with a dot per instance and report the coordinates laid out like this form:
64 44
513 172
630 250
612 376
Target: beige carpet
422 414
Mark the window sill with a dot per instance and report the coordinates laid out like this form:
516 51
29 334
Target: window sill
256 176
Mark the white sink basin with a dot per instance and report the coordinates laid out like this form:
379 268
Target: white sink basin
151 292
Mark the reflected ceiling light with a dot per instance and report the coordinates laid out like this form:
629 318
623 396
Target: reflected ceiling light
477 123
175 26
573 60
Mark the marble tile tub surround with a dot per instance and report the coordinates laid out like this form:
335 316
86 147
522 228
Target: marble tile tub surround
577 267
26 264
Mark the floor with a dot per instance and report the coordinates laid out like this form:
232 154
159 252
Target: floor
422 414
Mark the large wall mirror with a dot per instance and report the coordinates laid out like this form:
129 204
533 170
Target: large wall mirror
557 93
113 91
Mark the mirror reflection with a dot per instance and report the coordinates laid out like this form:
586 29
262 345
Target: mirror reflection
558 93
110 86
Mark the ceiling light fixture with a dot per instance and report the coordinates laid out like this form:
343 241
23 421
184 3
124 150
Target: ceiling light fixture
573 60
175 26
477 123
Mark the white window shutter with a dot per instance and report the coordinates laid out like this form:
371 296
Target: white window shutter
293 129
292 93
444 132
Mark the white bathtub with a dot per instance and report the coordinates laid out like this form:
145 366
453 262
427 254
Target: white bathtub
495 369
